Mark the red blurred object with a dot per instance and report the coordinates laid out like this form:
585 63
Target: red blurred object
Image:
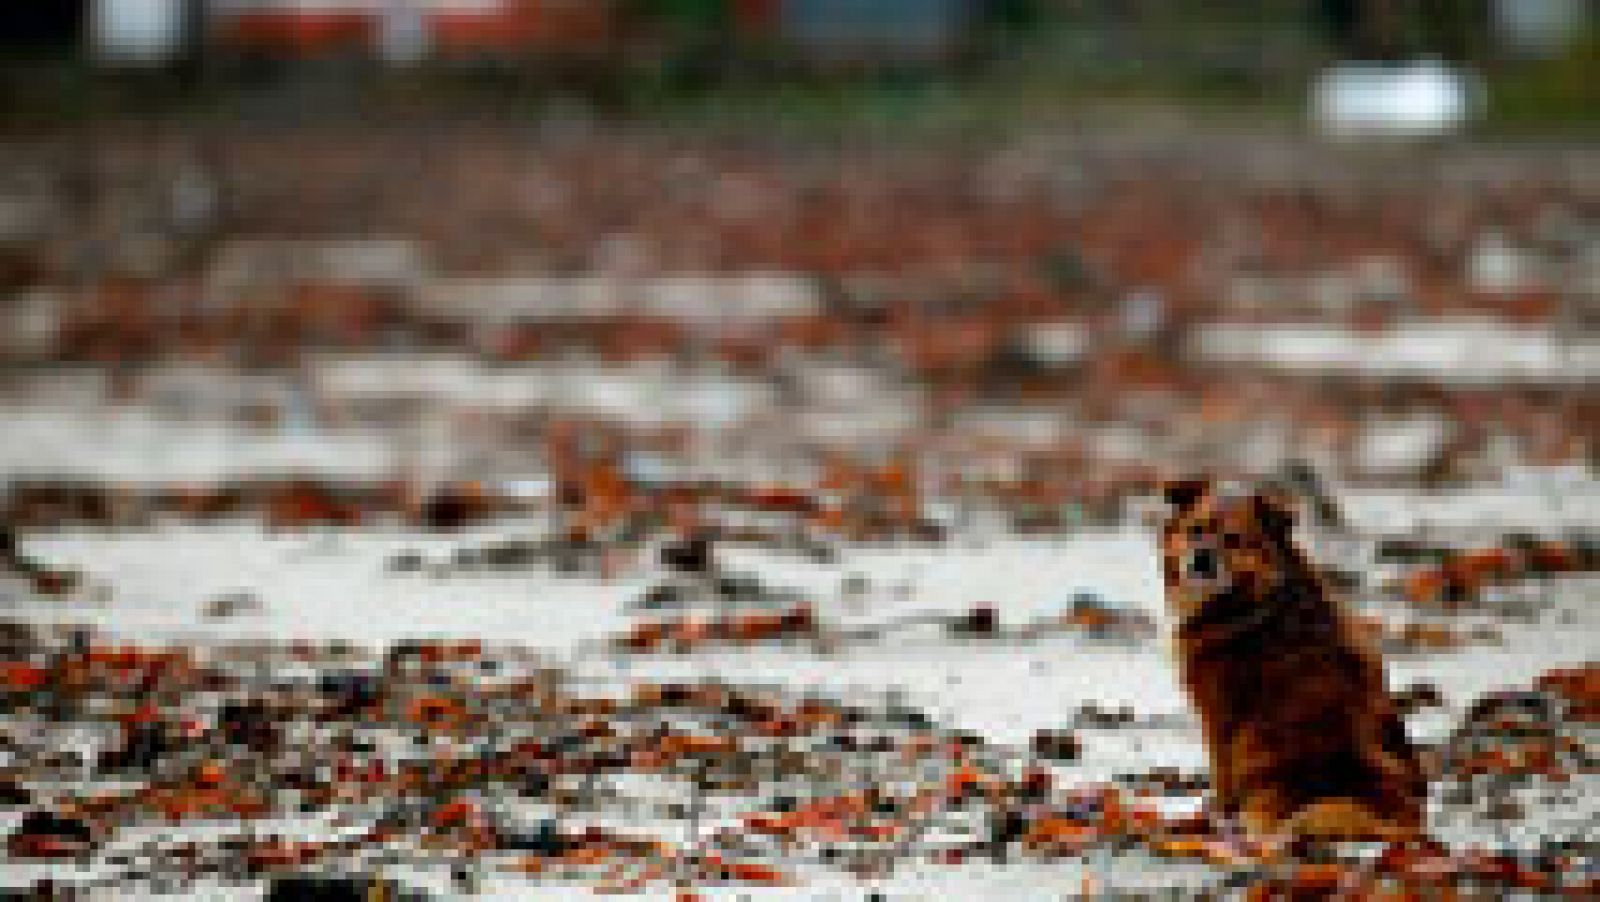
568 26
44 847
300 30
453 28
1580 686
452 813
19 675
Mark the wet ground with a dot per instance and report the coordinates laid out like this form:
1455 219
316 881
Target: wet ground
236 704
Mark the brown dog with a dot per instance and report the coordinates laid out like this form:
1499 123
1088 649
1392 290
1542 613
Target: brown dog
1303 738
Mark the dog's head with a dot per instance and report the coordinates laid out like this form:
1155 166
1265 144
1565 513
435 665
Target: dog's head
1220 538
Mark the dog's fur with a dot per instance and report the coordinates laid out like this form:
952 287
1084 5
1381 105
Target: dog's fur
1303 737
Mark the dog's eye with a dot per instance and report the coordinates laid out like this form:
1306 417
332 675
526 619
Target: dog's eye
1232 540
1197 531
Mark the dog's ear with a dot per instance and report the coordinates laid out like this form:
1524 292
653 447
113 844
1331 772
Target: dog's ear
1275 513
1182 494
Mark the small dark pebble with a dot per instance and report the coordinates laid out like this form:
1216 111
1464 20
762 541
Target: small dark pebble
1056 745
328 888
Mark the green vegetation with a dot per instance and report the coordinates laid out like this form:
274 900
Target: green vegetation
1559 92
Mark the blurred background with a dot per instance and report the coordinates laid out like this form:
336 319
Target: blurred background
637 55
430 388
941 258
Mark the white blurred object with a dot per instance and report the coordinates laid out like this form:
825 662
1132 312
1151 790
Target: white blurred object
1141 314
30 323
1458 351
1496 265
1539 27
1400 446
369 260
531 488
402 32
136 32
1057 343
1412 99
713 301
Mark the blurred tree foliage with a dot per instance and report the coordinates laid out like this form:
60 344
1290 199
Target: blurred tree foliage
1561 90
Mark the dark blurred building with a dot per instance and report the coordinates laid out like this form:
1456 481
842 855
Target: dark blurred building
53 26
858 30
